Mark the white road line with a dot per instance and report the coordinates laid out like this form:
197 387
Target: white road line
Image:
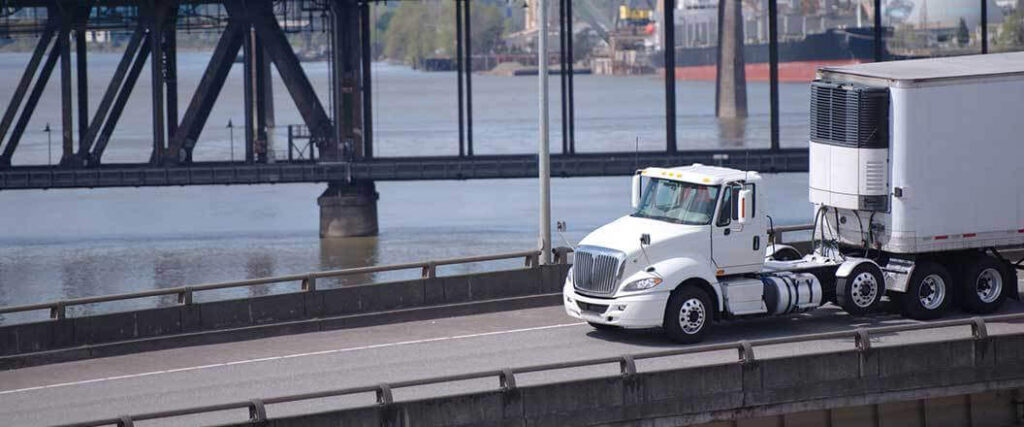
288 356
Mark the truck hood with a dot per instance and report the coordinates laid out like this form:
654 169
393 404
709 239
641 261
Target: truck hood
624 234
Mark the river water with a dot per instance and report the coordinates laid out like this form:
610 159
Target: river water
72 243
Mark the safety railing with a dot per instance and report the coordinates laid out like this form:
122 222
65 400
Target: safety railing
507 377
58 309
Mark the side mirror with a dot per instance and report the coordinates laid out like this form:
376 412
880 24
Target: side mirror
634 194
746 202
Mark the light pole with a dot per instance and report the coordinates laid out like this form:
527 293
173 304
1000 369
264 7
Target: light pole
231 131
49 144
544 151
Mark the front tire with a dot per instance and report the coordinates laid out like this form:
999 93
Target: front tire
688 315
928 292
983 285
861 291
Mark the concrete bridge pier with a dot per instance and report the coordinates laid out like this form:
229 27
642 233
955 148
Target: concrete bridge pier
731 81
348 210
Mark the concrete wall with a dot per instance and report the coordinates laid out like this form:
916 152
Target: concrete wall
956 383
257 317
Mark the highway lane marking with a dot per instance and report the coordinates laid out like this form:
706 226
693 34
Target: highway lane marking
287 356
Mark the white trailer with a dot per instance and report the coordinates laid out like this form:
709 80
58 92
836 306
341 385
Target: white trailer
917 181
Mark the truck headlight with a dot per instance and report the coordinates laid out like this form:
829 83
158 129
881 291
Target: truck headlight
645 283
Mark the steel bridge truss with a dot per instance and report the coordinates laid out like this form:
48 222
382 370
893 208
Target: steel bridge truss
255 30
250 27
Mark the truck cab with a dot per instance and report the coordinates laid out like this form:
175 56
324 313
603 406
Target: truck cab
694 226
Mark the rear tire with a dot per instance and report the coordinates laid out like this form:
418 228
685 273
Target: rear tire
928 292
983 286
861 291
786 254
688 315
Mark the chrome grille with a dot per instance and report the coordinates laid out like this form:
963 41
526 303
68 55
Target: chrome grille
596 270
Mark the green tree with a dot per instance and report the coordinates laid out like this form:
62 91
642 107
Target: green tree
963 34
1011 32
418 30
410 35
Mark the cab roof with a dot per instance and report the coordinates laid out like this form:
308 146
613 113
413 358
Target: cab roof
700 174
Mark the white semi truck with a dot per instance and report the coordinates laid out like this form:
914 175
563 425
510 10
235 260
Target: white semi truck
917 182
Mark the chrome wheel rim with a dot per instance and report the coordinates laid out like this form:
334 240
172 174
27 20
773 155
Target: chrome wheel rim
692 316
989 285
864 289
932 292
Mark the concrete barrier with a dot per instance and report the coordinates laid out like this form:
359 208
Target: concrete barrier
228 320
974 381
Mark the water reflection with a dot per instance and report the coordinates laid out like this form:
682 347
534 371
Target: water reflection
732 132
336 254
259 265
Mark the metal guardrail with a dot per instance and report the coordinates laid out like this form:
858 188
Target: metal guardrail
58 309
506 377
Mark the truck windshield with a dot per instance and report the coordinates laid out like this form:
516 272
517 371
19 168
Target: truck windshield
678 202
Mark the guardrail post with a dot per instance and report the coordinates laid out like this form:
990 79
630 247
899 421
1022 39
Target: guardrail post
185 296
384 396
126 421
983 351
257 411
627 366
430 270
532 260
746 351
309 283
562 255
507 380
58 311
862 341
978 328
386 401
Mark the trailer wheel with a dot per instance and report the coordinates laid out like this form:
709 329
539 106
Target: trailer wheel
928 292
861 291
983 285
688 315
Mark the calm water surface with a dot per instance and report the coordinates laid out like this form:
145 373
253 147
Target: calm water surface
71 243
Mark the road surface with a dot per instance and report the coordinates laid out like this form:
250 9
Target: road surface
203 375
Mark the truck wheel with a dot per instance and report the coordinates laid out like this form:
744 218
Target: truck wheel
688 315
786 254
861 291
928 292
983 285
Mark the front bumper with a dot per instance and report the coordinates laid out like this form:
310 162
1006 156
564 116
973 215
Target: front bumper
635 311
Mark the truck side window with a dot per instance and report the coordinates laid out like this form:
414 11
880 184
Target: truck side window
724 210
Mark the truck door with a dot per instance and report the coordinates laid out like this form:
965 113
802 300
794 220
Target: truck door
737 248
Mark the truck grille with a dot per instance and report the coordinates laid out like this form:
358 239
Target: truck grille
596 270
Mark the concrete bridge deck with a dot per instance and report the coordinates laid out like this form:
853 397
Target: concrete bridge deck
203 375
